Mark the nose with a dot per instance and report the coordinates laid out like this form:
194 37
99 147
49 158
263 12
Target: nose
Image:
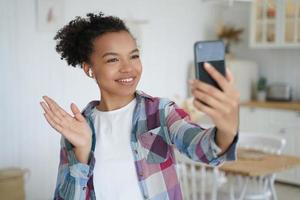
126 67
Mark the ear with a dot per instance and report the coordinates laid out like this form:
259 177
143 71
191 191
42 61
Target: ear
86 68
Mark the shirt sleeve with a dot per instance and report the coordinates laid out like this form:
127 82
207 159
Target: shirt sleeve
194 141
72 175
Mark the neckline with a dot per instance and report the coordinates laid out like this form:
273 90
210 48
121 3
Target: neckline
127 106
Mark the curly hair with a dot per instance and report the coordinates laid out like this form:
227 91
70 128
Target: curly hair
75 40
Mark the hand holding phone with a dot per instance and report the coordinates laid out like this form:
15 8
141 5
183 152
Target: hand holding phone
220 101
212 52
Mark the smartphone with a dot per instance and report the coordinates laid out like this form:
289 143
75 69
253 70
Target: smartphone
212 52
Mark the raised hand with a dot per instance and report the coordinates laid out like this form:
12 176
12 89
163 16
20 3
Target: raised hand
221 106
74 128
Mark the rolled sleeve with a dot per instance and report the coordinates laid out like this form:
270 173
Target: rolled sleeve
81 170
229 155
73 175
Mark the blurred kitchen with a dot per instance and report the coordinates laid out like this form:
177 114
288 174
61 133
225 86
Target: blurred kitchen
262 40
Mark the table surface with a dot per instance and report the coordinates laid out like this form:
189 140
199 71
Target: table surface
257 163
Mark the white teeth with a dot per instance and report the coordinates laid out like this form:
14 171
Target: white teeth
126 80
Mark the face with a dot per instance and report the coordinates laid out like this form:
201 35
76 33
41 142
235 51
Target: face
115 64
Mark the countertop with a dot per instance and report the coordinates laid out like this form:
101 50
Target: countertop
292 105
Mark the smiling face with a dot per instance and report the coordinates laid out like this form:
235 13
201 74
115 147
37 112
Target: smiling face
115 64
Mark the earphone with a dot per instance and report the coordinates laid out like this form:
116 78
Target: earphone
90 73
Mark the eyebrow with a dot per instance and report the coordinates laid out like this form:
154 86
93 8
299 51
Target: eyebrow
115 54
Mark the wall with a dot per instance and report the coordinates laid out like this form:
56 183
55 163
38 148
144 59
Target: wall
30 68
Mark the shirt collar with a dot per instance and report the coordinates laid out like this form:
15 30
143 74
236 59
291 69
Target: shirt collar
89 107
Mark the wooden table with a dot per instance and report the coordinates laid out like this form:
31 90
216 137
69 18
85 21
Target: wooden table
253 163
257 163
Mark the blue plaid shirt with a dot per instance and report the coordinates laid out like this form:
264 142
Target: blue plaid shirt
159 126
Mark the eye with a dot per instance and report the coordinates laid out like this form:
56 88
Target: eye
135 56
112 60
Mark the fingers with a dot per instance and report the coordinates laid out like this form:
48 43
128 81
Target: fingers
204 108
211 95
53 123
45 107
77 112
53 118
214 109
56 116
59 128
217 76
208 89
229 76
211 101
55 108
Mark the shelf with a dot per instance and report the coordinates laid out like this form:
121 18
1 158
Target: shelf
291 19
276 46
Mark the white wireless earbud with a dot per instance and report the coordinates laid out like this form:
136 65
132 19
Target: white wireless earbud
90 73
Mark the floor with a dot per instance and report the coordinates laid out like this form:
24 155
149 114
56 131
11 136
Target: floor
284 192
287 192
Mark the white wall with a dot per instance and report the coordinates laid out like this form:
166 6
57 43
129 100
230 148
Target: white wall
30 68
278 65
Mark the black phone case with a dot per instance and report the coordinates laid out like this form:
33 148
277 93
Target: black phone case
201 73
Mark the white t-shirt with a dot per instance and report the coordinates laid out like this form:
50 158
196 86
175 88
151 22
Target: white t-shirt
114 172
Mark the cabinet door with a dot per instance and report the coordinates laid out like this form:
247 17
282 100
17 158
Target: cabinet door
275 24
256 120
264 22
291 21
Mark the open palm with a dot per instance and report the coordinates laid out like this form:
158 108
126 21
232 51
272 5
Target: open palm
74 128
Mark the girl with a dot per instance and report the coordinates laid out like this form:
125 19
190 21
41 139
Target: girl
121 147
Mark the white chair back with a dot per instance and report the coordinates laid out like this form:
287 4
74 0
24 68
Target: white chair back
259 187
196 180
266 143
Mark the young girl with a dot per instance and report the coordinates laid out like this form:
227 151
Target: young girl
121 147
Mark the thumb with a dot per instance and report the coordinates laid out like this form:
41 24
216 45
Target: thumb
76 112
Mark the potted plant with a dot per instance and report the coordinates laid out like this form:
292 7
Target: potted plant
261 89
229 34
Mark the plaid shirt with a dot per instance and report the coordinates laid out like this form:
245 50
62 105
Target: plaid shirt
159 125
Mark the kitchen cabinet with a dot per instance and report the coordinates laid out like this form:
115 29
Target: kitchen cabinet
282 123
275 24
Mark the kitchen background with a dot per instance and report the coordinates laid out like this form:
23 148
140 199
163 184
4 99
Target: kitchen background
30 68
